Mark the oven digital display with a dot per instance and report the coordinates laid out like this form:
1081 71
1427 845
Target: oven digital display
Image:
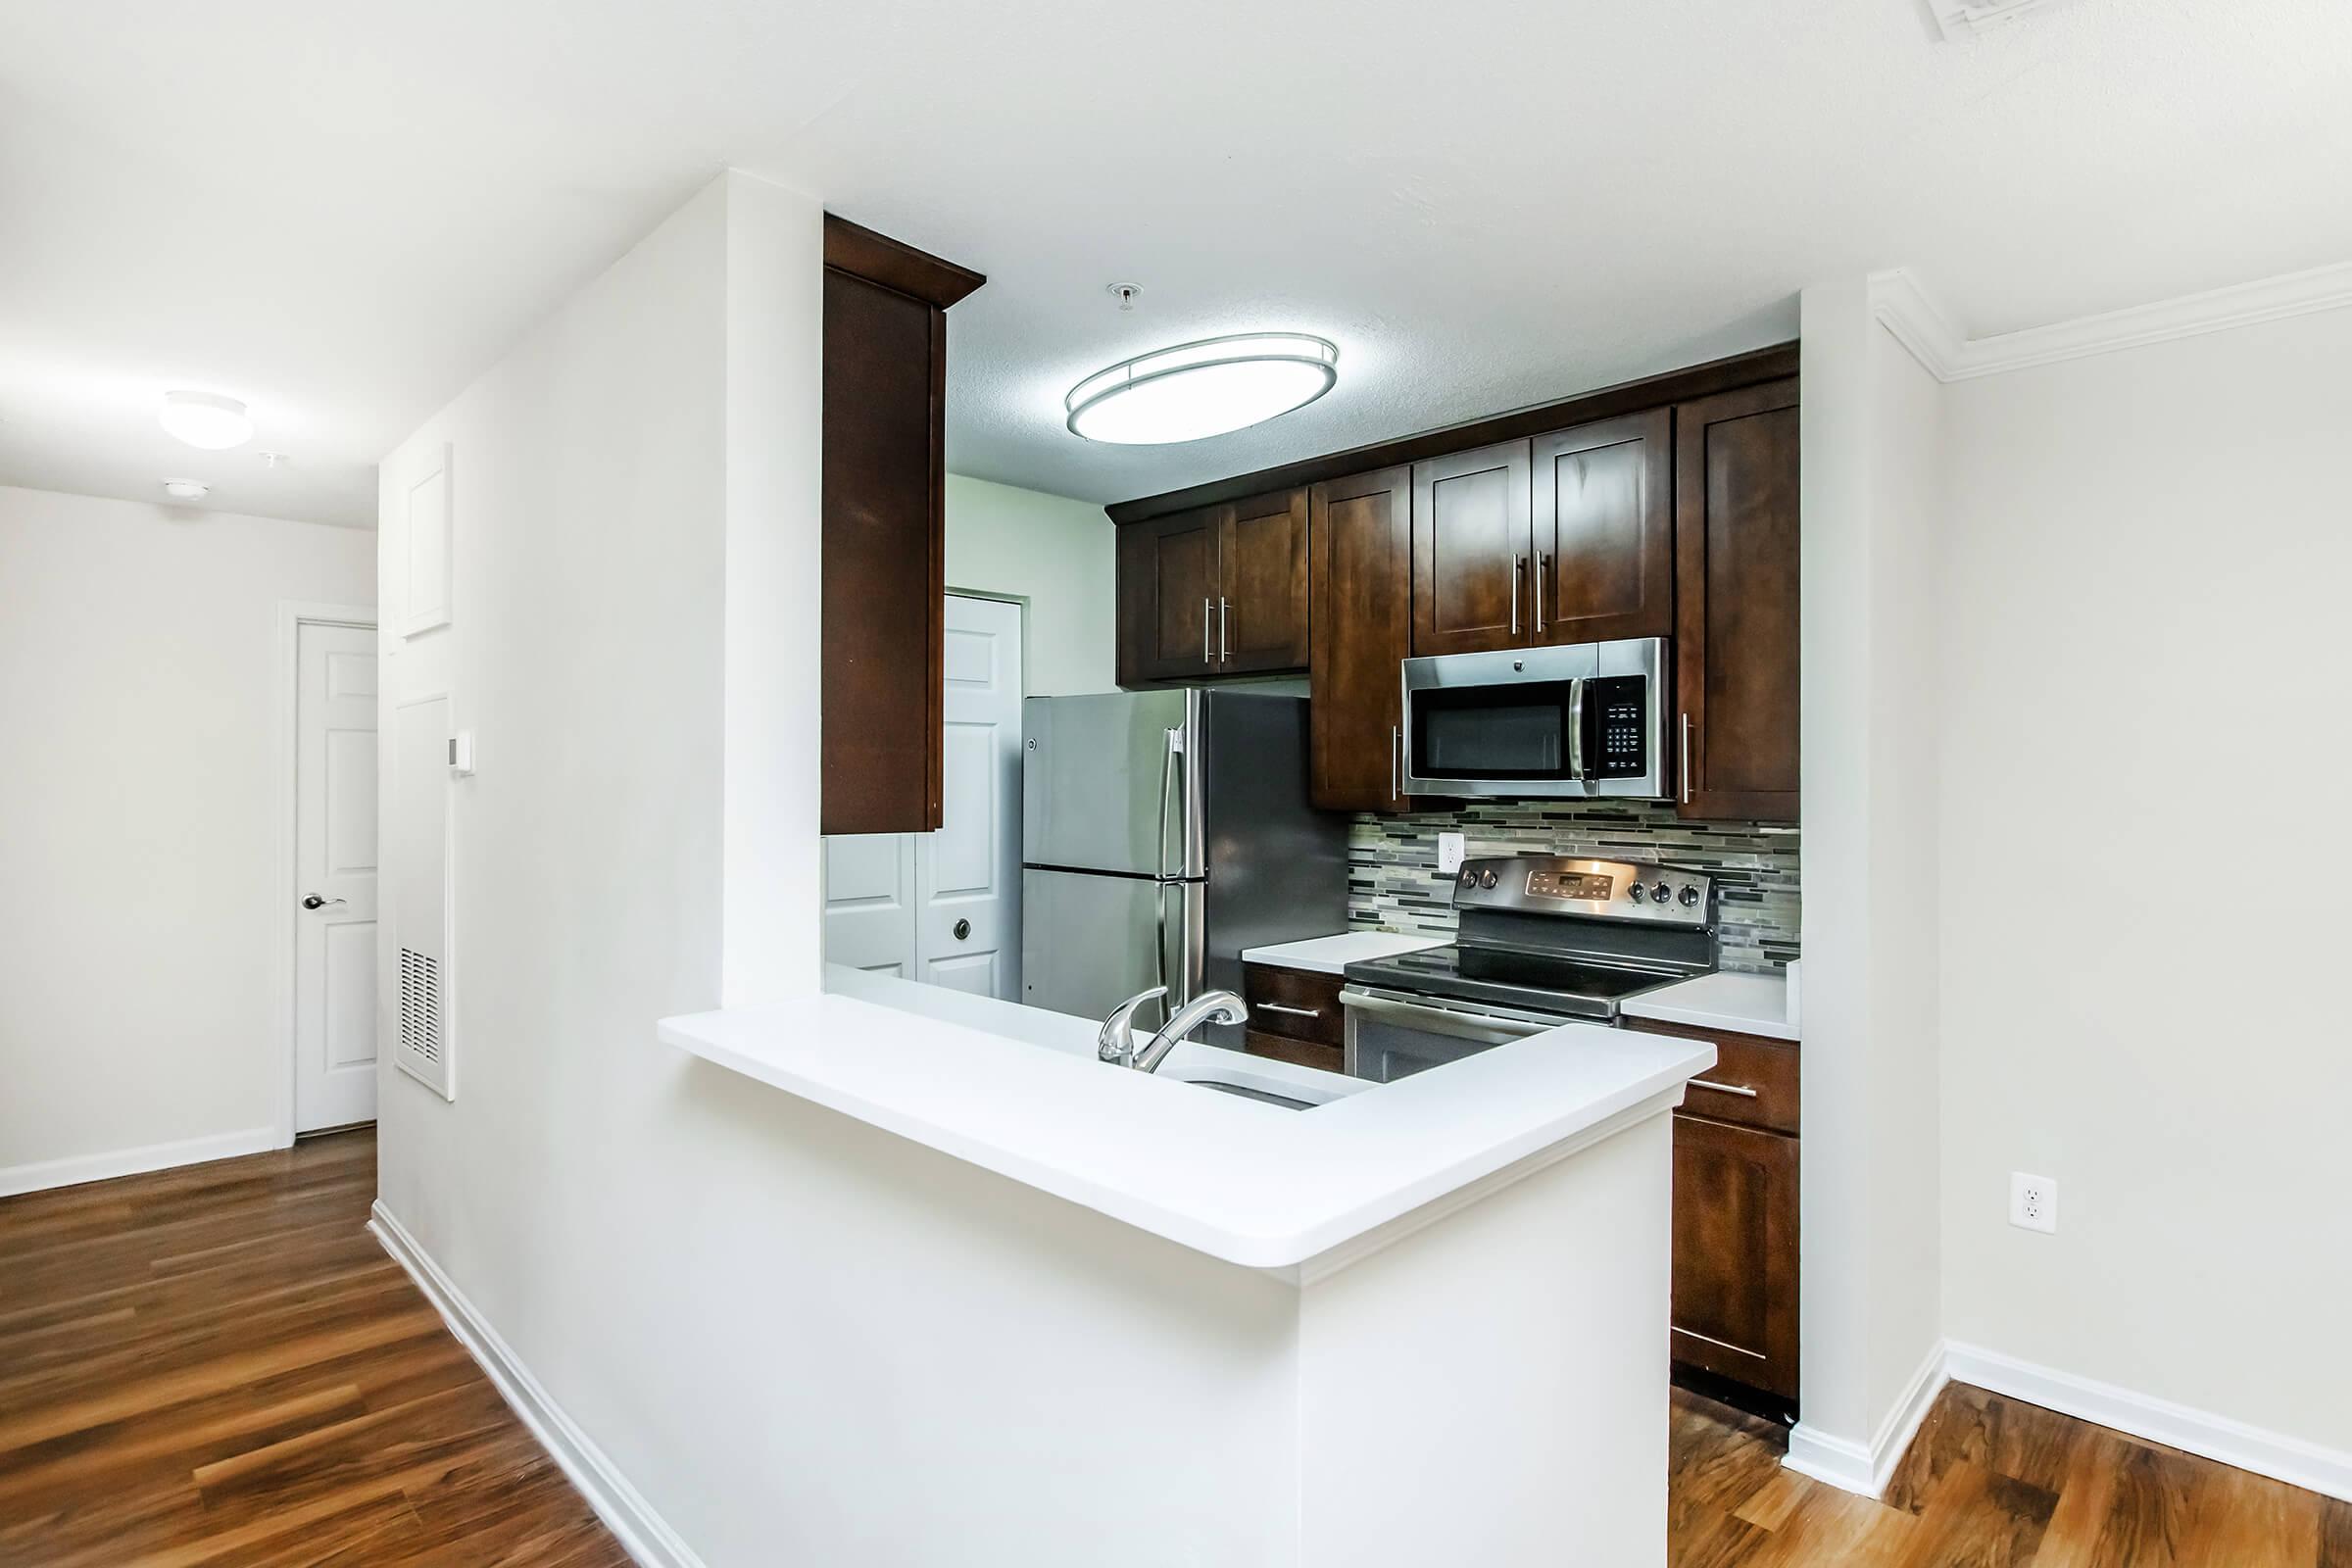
1570 885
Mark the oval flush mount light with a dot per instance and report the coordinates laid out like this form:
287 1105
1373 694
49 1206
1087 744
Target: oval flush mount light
1202 389
205 419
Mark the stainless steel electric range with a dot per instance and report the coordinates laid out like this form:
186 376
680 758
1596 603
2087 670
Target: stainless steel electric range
1542 939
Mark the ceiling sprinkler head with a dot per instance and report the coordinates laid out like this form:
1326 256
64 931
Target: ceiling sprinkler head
1124 293
271 459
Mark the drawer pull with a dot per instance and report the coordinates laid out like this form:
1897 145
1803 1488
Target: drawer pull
1725 1089
1296 1012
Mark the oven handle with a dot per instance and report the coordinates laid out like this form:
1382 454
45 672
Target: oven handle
1457 1022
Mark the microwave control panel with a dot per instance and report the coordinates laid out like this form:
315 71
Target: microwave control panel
1616 707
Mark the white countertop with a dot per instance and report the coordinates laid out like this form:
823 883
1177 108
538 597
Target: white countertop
1333 954
1744 1004
1018 1091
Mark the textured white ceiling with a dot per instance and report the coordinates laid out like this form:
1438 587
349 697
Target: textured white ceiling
344 212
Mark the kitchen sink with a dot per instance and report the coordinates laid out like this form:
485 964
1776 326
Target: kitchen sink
1263 1095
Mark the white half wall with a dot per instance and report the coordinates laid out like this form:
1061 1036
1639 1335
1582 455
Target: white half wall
138 1023
1868 1246
2144 749
1058 553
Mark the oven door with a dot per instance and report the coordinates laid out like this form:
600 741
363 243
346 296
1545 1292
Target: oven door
1390 1036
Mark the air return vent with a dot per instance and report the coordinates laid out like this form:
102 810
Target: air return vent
420 1006
416 866
1965 19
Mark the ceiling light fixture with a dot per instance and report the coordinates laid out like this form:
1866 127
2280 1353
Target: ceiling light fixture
186 489
1201 389
205 419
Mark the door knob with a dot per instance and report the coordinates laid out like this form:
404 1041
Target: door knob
963 928
314 901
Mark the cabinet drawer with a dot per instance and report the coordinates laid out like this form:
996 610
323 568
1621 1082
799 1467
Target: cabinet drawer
1298 1003
1768 1068
1297 1053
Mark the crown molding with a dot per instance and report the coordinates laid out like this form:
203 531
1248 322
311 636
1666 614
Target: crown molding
1924 328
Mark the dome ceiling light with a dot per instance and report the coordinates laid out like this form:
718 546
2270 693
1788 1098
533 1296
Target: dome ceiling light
205 419
1201 389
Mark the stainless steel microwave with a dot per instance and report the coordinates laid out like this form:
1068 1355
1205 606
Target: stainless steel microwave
1578 720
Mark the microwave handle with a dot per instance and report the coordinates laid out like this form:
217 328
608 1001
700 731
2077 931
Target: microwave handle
1576 728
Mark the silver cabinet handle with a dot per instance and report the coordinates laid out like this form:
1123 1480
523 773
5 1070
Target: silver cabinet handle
1538 580
1518 565
1686 750
1206 657
1741 1089
1224 626
1396 760
1296 1012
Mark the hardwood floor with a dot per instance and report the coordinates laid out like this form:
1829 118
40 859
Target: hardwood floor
1990 1483
218 1366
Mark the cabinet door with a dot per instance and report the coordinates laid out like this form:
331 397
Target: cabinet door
1604 532
1167 588
1734 1253
1262 609
1470 539
1360 535
1735 584
883 556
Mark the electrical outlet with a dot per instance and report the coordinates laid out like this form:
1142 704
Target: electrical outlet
2033 1201
1449 852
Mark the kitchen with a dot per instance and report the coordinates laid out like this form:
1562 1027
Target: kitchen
1414 756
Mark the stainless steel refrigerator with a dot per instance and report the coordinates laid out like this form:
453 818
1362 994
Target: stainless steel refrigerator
1161 833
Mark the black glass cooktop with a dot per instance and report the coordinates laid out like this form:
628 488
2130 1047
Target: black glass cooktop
1510 977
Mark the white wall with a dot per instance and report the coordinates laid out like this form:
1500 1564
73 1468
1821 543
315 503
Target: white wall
1868 1229
2144 754
1058 553
137 901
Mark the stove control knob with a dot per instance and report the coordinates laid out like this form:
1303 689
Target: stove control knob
1487 880
1690 898
1469 878
1661 893
1634 892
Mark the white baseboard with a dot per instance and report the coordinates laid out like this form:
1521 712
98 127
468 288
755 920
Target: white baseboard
2215 1437
79 1168
643 1534
1866 1468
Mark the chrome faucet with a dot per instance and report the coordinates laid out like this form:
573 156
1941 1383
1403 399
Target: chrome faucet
1117 1040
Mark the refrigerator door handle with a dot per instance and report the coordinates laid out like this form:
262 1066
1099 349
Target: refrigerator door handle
1159 953
1167 790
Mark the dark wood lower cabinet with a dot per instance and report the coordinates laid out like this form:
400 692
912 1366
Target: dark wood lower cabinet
1294 1015
1736 1159
1734 1253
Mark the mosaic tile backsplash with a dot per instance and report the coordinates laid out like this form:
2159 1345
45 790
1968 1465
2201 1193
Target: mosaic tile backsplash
1393 883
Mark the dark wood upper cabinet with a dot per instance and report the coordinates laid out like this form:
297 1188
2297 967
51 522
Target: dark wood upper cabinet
1262 596
1736 1254
1604 532
884 539
1217 591
1472 538
1736 638
1167 598
1361 536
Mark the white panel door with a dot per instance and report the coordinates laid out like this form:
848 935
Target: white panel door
334 859
945 908
869 902
969 874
